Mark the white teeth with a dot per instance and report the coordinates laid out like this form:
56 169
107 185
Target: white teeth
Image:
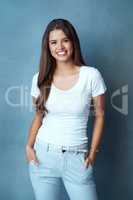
61 53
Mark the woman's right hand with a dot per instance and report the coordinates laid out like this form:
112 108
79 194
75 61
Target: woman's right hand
31 155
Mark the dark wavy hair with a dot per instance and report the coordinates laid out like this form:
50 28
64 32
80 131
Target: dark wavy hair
47 63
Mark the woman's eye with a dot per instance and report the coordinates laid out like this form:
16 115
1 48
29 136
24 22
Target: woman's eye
53 42
66 40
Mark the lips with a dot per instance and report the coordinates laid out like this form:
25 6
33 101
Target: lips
61 53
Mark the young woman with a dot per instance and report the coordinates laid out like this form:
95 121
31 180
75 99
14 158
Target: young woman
58 149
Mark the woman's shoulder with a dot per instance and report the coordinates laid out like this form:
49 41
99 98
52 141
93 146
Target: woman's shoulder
96 81
35 76
91 70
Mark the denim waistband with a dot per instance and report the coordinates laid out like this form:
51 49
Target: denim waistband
55 147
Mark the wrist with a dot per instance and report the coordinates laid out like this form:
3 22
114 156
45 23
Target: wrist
93 150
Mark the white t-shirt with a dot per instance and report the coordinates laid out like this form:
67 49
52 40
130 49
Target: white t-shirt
66 122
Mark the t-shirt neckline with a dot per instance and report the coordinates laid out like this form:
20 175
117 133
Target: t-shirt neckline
73 87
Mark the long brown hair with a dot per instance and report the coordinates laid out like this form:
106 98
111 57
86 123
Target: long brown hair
47 63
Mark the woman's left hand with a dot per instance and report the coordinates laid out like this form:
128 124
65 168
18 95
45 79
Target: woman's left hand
90 159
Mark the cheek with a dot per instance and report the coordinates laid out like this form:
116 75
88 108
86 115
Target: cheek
52 50
70 48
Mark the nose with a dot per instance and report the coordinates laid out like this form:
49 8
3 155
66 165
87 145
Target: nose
60 46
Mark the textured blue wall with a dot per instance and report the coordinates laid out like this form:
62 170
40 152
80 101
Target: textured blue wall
105 29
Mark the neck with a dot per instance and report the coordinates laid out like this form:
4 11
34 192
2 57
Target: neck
66 68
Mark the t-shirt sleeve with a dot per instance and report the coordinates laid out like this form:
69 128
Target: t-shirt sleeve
34 88
98 84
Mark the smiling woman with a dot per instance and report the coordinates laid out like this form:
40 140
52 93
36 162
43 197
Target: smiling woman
58 148
60 46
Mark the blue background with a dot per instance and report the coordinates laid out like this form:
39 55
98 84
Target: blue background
105 29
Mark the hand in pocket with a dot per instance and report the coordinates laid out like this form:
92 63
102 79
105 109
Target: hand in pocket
31 155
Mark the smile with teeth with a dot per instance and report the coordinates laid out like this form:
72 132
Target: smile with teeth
61 53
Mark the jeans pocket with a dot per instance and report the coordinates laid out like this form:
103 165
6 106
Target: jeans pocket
82 157
31 163
43 156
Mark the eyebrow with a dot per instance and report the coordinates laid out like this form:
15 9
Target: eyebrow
62 39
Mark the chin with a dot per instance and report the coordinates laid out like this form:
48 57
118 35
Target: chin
65 59
62 60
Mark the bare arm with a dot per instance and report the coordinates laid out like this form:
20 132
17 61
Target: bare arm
99 110
99 106
36 123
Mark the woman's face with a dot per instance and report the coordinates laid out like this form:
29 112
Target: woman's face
60 46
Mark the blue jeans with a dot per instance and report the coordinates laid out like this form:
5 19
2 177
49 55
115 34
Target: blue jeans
57 167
